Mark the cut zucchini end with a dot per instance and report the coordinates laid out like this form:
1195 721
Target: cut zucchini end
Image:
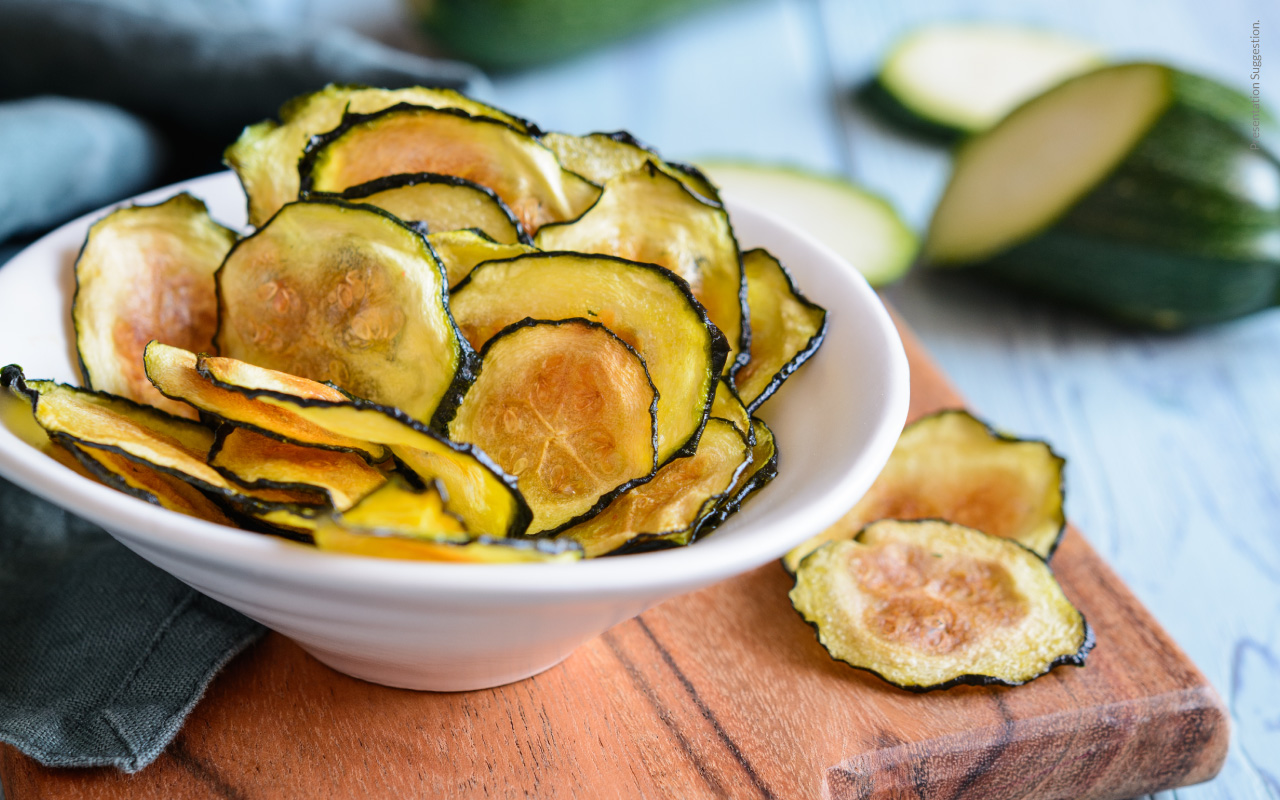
1018 178
858 225
929 605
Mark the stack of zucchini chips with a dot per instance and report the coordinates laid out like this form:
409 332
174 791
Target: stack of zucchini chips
449 337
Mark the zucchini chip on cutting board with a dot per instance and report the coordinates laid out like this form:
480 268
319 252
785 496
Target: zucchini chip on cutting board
146 272
348 294
568 408
929 605
952 466
440 203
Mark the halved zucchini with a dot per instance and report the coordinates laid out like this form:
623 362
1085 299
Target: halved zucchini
461 251
260 462
181 375
763 468
952 466
265 157
345 293
647 306
668 510
929 605
647 215
146 272
860 226
600 157
406 138
568 408
786 328
441 203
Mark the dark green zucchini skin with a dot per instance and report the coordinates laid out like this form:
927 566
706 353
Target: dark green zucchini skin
799 358
873 96
732 504
1184 232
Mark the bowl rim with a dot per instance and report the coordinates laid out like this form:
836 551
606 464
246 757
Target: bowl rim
148 528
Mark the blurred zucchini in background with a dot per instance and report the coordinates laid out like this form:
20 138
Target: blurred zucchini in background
948 80
1136 190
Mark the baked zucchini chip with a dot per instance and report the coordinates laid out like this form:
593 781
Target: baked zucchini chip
182 375
668 510
952 466
568 408
407 138
349 294
461 251
647 215
728 405
600 157
786 328
929 605
146 272
441 203
265 157
647 306
763 468
260 462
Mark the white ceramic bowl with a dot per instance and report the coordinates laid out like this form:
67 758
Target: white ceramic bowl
449 627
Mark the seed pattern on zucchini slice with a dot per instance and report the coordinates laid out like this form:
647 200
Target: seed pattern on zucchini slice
569 409
929 605
261 462
648 307
952 466
265 157
668 510
180 374
345 293
599 157
146 272
786 328
461 251
441 203
647 215
407 138
764 468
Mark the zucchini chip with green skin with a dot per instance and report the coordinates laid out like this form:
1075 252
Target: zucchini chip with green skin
260 462
461 251
145 483
399 508
728 405
569 409
786 329
668 510
600 157
406 138
440 203
952 466
929 605
648 307
647 215
146 272
348 294
764 468
265 157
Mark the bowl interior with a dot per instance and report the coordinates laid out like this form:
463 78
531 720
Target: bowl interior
835 420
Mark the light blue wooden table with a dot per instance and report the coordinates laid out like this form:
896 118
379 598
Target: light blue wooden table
1173 441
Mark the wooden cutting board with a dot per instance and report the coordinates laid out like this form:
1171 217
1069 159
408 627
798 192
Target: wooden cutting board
720 693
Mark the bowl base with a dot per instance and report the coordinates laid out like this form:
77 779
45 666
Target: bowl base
459 677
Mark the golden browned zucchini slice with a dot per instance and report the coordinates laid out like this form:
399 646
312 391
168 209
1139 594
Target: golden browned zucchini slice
763 468
437 203
265 157
145 483
728 405
951 466
181 375
786 329
461 251
599 157
146 272
569 409
260 462
647 215
930 605
669 510
406 138
646 306
345 293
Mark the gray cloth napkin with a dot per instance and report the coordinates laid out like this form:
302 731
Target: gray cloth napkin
102 655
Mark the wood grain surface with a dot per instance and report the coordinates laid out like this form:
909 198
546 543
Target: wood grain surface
720 693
